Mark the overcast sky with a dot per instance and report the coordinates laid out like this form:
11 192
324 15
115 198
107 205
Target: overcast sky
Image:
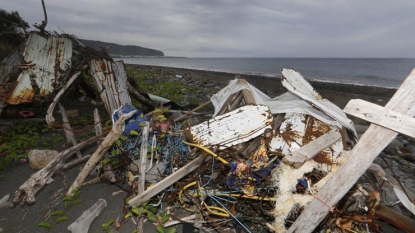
237 28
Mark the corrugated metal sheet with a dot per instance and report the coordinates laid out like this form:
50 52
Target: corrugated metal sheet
113 93
232 128
299 129
44 61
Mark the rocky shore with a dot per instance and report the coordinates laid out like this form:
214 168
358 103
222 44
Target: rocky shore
202 80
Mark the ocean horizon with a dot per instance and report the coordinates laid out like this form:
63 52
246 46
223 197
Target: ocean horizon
383 72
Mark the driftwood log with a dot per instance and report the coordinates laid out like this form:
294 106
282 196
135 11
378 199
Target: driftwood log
109 140
81 225
49 118
27 191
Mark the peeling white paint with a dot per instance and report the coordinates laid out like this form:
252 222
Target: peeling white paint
232 128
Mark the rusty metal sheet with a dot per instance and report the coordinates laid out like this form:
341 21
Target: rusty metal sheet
111 81
299 129
232 128
296 83
45 59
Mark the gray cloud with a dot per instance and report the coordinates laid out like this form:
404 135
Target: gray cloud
238 28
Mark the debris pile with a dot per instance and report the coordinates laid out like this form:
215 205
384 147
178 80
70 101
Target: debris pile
258 164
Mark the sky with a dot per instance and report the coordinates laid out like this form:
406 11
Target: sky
236 28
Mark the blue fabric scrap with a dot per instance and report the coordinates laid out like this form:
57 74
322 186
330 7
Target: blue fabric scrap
131 123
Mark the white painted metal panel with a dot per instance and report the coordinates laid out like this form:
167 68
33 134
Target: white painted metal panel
121 75
112 87
232 128
290 134
298 130
45 59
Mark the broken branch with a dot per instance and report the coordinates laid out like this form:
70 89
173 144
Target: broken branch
28 190
109 140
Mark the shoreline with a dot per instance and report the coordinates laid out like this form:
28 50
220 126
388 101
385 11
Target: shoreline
338 93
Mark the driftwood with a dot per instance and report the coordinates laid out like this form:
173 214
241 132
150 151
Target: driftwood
70 137
311 149
360 158
109 140
166 182
49 118
139 97
143 163
28 190
385 117
399 220
193 111
81 225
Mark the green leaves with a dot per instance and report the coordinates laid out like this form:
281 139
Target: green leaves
77 201
44 224
61 219
164 218
152 218
107 224
134 133
172 230
57 212
160 229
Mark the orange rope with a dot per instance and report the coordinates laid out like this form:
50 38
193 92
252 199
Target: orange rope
331 209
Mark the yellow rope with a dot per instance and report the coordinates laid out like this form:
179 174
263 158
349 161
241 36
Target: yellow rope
208 151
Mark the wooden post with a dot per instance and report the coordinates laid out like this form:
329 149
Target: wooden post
70 137
360 158
143 162
97 123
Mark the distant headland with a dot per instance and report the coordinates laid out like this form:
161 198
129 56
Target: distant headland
116 50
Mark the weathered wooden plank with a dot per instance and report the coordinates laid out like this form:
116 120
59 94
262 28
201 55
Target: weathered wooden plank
70 137
360 158
311 149
166 182
143 163
381 116
97 124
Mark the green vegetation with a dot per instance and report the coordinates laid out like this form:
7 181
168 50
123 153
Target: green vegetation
165 85
17 141
172 90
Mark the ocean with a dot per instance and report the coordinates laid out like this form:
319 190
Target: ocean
384 72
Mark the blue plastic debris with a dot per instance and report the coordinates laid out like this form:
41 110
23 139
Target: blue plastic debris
133 122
